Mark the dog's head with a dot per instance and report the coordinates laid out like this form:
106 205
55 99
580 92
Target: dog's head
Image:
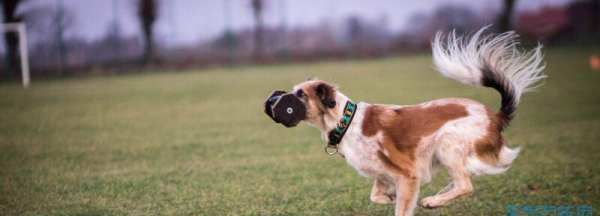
317 98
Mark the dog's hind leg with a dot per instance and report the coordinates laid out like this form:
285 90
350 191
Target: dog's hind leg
460 185
380 192
461 180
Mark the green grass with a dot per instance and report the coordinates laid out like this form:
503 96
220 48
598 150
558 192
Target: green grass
198 143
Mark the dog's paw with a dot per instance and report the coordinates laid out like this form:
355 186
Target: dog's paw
431 202
382 199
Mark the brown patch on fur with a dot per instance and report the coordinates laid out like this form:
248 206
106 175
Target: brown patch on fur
489 146
315 109
390 165
403 129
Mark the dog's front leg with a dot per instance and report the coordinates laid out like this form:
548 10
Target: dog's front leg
379 192
407 190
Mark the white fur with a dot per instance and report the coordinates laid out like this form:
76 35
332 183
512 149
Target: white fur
360 151
506 157
463 59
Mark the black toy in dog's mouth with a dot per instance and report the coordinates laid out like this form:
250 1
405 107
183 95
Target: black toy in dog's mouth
285 108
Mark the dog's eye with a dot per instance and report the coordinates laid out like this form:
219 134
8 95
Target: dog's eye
300 93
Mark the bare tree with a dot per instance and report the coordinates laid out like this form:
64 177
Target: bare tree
147 12
9 8
257 10
506 15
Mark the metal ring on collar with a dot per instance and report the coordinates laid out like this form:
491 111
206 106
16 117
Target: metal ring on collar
331 150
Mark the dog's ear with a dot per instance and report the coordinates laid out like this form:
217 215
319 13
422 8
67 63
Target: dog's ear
326 93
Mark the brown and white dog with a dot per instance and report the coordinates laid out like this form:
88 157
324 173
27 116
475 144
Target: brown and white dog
396 144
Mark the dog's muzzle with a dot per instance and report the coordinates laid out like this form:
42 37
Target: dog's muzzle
285 108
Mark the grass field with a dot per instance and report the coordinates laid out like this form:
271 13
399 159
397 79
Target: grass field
198 143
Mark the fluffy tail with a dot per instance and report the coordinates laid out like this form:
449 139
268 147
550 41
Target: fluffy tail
505 158
492 61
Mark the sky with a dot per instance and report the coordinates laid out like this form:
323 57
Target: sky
186 22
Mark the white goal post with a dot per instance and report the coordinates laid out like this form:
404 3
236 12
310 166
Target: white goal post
22 34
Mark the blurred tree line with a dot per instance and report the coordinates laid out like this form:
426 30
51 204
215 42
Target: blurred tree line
351 37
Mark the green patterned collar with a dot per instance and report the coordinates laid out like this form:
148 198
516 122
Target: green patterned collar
336 135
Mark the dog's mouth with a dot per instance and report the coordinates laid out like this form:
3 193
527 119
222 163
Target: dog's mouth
285 108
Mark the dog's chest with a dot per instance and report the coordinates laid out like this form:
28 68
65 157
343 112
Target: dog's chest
361 156
360 151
